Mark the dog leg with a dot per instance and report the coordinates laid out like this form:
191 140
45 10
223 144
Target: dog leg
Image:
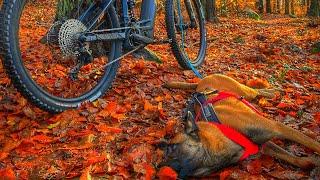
181 85
296 136
276 151
269 93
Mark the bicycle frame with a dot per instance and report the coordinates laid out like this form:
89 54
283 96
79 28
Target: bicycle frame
147 18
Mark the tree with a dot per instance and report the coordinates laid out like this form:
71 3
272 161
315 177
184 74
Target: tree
260 6
292 7
278 6
268 6
210 10
286 6
314 9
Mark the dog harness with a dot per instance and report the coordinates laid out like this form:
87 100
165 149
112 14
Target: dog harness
208 113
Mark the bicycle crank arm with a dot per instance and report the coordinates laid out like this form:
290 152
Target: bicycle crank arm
90 37
142 39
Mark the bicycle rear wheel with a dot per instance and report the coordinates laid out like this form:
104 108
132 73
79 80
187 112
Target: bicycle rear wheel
185 25
40 53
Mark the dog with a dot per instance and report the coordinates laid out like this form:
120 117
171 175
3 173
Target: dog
206 147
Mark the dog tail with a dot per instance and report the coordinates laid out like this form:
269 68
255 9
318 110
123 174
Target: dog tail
181 85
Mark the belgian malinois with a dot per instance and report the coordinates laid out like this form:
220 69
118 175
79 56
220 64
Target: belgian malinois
204 148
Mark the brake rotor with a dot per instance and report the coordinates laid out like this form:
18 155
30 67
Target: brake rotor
68 41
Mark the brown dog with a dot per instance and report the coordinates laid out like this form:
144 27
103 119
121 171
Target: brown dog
203 148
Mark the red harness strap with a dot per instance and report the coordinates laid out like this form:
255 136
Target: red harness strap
249 147
224 95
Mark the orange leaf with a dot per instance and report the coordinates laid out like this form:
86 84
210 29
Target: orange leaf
149 171
264 102
170 126
86 174
178 98
3 155
167 173
148 106
95 159
258 83
42 139
108 129
104 113
159 98
161 111
118 116
194 80
283 105
300 101
7 174
111 107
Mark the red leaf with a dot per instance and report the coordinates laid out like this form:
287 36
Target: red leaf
95 159
111 107
225 174
108 129
7 174
42 139
283 105
254 167
167 173
149 171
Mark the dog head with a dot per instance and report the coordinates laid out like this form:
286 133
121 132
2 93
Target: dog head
199 150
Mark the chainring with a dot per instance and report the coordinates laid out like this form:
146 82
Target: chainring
68 41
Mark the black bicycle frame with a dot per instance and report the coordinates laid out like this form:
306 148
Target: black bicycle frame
91 17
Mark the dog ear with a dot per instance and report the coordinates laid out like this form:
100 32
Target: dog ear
191 127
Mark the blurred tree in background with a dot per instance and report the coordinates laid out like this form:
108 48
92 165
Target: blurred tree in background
215 8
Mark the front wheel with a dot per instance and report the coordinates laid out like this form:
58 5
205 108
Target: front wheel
40 54
185 25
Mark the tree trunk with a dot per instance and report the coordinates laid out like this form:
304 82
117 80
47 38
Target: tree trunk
268 6
210 10
314 9
278 6
286 4
292 7
260 6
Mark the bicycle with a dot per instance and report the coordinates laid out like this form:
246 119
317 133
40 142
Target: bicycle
50 52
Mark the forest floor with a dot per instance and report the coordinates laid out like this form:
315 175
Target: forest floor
117 135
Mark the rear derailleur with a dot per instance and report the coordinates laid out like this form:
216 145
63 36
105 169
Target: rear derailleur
84 57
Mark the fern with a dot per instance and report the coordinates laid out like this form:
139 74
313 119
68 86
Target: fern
67 8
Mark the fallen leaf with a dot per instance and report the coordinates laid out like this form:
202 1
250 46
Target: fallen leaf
86 174
167 173
7 174
42 139
107 129
254 167
258 83
148 106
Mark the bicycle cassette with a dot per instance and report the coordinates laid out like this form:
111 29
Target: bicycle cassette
68 41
